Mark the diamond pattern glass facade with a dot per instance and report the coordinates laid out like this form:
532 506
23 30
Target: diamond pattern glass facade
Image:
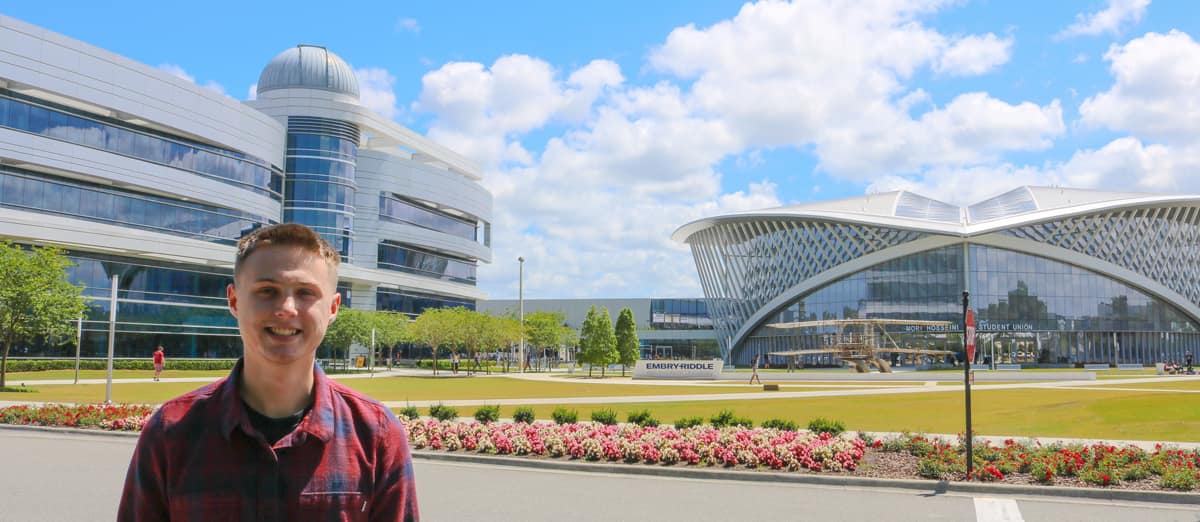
1035 306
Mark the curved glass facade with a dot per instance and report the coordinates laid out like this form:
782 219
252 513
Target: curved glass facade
400 210
26 114
182 307
404 258
1030 309
413 303
321 157
37 192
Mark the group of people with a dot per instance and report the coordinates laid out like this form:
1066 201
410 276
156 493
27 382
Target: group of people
1172 368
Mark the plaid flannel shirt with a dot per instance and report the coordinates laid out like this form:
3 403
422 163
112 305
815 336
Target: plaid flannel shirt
198 458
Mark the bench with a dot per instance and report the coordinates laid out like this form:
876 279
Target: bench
1095 367
770 387
1008 367
1129 367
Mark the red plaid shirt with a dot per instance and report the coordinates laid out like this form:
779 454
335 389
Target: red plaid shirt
198 458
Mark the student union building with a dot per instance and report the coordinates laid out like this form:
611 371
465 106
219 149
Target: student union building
1056 276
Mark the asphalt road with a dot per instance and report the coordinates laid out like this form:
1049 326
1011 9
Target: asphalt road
55 476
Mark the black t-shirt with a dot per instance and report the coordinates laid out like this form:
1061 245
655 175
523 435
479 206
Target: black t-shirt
274 429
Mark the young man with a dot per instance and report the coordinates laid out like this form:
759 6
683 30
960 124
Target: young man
754 371
276 439
159 360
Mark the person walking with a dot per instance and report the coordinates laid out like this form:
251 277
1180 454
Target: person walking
276 439
159 360
754 371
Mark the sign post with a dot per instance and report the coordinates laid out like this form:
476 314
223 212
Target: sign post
969 348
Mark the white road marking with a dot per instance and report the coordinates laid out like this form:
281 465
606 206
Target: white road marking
997 510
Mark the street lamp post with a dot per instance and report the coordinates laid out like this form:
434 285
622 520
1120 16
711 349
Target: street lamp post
521 317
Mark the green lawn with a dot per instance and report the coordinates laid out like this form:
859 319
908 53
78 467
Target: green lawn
1164 384
392 389
1092 414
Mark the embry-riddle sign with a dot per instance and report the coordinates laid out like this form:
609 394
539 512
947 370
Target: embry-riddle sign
688 369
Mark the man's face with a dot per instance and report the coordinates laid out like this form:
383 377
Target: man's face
284 298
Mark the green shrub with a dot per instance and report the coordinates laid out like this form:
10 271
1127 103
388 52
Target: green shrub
722 419
780 424
642 418
411 412
931 468
1180 479
562 415
41 365
605 416
17 389
1097 476
486 414
823 425
1043 471
689 422
523 414
1136 471
442 412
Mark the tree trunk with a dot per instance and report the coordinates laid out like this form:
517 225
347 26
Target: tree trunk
8 342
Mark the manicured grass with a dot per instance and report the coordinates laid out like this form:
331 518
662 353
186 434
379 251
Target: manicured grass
393 389
52 375
1115 415
1165 384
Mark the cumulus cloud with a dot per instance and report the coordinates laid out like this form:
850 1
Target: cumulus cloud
1108 20
591 174
180 72
1156 92
974 55
768 75
376 91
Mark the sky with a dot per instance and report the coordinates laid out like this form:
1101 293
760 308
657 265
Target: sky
602 127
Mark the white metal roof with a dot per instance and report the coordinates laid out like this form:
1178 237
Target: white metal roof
907 210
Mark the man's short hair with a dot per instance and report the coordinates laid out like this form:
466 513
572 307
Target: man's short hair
285 234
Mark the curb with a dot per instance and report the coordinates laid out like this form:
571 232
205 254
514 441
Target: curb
937 487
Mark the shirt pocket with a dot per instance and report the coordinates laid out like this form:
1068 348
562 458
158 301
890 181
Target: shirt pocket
333 506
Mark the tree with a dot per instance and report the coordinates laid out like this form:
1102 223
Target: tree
349 327
597 343
436 327
36 300
545 329
627 339
389 329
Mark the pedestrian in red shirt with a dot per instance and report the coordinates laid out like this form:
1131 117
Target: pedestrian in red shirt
276 439
159 360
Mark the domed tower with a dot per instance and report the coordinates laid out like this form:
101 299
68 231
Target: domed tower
408 215
321 152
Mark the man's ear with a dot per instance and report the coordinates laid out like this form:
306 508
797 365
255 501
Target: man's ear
231 296
333 310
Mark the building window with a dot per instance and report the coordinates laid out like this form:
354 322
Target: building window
406 258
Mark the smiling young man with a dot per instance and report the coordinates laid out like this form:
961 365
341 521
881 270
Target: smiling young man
276 439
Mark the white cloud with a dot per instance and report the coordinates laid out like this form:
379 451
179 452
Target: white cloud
1156 93
179 72
769 76
1108 20
409 25
591 175
376 91
252 92
974 55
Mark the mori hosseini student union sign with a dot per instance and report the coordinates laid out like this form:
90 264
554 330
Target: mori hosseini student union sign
686 369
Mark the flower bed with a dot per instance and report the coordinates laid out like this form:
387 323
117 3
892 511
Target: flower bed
1096 465
118 417
728 447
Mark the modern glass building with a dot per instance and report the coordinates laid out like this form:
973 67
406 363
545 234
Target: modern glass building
144 176
1056 276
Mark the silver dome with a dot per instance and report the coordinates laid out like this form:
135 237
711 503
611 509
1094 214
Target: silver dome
308 67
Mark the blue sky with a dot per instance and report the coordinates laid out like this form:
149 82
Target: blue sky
603 126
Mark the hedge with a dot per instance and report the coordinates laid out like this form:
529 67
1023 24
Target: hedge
41 365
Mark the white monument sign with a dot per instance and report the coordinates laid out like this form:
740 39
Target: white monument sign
686 369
